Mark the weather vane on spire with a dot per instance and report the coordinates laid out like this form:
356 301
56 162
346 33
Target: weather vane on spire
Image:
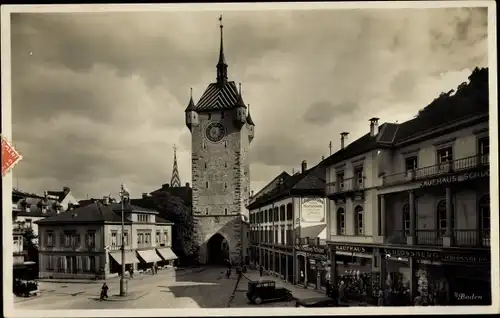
221 65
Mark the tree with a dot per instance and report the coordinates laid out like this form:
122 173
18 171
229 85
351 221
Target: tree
185 233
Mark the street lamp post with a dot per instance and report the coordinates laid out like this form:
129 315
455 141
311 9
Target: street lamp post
123 281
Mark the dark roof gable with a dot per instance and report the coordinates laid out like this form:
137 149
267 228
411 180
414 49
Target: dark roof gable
92 213
218 97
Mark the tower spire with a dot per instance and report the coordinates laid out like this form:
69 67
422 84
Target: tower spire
176 180
221 65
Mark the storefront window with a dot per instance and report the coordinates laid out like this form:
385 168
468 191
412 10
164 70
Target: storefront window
441 214
484 210
340 221
358 212
406 217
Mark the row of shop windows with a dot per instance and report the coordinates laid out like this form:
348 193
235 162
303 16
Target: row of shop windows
272 215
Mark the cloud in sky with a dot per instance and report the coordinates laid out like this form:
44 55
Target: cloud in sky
98 98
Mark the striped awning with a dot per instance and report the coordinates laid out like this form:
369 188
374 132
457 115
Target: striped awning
149 256
130 257
166 253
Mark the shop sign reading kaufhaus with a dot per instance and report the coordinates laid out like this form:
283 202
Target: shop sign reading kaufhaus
354 249
439 256
456 178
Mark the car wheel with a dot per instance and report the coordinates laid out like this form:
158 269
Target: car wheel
257 300
289 297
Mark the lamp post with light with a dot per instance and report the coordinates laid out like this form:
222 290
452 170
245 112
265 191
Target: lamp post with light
123 282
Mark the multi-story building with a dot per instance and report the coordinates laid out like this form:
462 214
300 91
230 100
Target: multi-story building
31 207
423 191
84 241
288 227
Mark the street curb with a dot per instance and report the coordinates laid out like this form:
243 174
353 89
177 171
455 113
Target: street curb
126 298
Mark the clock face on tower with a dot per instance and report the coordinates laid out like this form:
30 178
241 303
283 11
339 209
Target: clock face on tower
215 131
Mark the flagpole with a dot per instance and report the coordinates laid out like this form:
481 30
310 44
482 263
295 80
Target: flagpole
123 282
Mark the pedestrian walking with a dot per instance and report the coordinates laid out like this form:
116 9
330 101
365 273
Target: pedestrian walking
380 299
261 270
228 273
104 291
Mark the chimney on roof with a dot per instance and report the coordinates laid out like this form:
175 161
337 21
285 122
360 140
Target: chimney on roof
45 194
188 185
66 190
251 193
105 200
304 166
144 195
166 186
374 126
322 158
343 137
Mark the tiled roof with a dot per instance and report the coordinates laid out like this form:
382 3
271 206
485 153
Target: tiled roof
117 207
59 194
92 213
309 182
283 175
468 101
159 219
218 97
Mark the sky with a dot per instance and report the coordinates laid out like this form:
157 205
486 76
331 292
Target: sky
98 99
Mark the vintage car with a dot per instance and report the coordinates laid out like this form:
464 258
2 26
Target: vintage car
321 301
266 291
25 288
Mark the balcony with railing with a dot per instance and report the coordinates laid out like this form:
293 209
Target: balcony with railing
345 186
461 238
442 169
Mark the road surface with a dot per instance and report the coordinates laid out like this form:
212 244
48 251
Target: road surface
191 288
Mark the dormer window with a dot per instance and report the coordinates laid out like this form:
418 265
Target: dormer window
222 115
209 116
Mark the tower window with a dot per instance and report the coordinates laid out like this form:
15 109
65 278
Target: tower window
206 184
205 165
225 211
225 144
225 164
225 185
221 115
204 146
209 116
206 211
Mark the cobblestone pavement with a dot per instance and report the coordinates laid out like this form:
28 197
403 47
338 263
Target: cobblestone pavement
195 288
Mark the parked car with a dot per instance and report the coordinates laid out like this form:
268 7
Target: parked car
266 291
25 288
320 301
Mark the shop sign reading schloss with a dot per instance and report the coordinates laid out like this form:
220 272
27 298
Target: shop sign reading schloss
438 256
456 178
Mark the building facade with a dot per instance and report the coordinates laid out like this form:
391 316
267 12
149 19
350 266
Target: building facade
86 241
221 132
424 192
288 227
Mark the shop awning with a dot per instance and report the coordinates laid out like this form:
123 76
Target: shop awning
166 253
130 257
149 256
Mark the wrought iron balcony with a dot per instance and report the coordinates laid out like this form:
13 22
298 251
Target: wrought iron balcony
472 238
442 169
398 237
347 185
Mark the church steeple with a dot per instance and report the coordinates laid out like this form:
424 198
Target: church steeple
176 180
221 65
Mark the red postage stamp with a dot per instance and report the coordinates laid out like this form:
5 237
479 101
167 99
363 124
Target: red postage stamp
10 157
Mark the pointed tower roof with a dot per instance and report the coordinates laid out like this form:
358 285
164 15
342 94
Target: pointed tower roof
191 106
221 65
249 118
222 94
176 180
240 102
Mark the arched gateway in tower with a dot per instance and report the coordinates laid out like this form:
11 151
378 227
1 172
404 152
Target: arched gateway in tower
221 133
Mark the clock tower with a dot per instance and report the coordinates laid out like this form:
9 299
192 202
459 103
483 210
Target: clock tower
221 133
